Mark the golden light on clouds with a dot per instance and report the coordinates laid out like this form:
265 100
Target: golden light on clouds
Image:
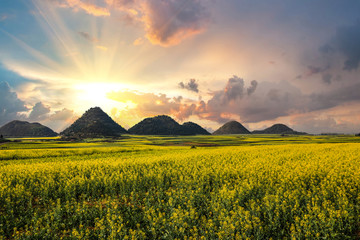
89 8
92 46
96 94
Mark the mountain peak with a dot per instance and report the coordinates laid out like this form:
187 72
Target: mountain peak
94 123
278 128
232 127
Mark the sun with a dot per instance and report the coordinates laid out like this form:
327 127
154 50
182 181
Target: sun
95 94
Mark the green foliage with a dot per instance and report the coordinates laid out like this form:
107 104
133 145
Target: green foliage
131 189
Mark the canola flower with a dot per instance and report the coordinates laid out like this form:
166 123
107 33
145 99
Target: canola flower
303 191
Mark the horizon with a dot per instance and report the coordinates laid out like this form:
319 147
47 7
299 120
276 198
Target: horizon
208 62
210 131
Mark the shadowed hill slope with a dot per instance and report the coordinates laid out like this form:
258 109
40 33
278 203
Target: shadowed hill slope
277 129
165 125
232 127
18 128
194 129
94 123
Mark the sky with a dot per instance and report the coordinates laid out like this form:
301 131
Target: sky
259 62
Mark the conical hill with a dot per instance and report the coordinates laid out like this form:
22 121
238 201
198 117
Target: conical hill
94 123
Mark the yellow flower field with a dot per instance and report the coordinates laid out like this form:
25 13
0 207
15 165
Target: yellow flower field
291 191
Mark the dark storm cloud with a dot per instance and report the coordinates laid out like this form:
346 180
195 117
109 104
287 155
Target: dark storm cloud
346 43
192 85
347 40
327 78
10 104
335 97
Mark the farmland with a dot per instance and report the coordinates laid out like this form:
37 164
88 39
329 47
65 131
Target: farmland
211 187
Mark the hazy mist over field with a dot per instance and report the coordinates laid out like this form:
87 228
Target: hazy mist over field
207 61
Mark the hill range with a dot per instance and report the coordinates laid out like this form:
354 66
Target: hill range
165 125
96 123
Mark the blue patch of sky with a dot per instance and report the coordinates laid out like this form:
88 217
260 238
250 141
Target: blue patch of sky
12 78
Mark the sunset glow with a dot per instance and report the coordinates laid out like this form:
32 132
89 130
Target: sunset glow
206 61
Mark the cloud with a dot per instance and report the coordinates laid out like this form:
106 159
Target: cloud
141 105
249 103
62 115
273 100
10 104
192 85
169 22
86 6
318 122
103 48
346 43
121 4
313 70
252 88
56 120
61 119
39 112
147 104
234 90
327 78
13 108
166 23
138 41
93 40
263 101
335 97
88 37
92 9
220 108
